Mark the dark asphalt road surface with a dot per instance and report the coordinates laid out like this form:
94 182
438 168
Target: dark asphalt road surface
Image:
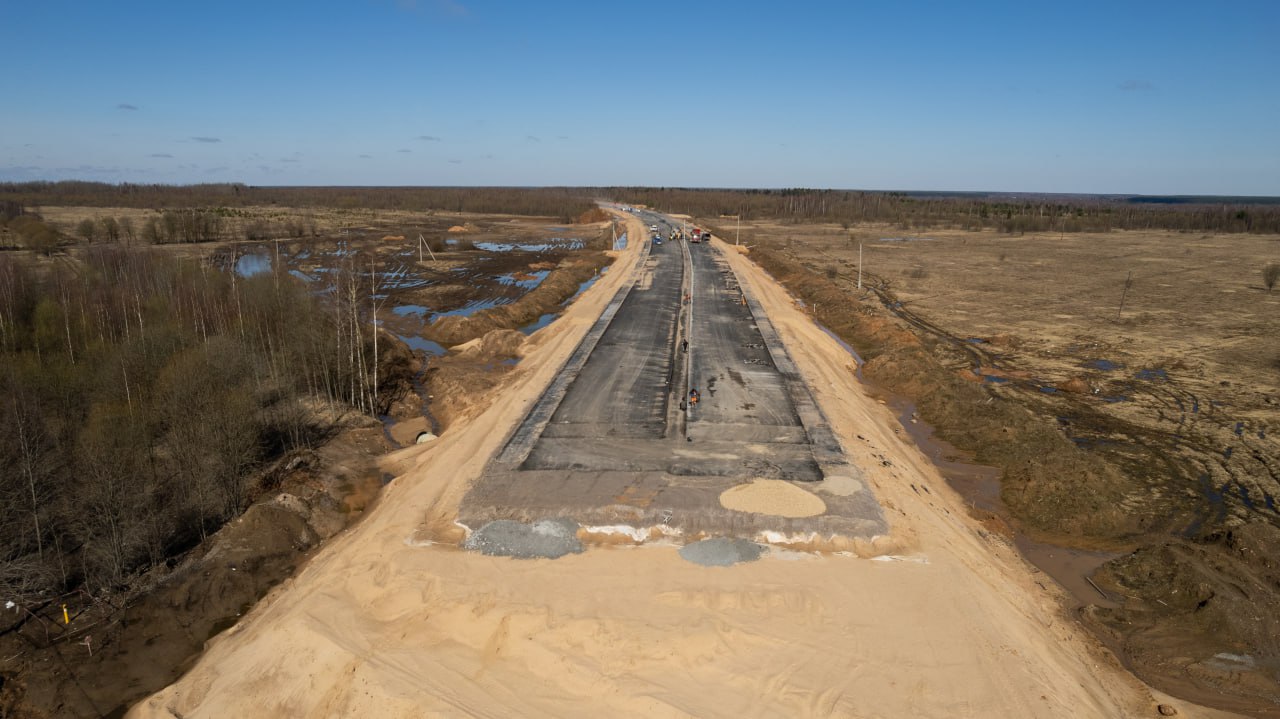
614 440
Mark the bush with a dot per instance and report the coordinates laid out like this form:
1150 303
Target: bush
1270 275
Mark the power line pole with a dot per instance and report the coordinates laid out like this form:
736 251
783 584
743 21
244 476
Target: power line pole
1128 282
859 265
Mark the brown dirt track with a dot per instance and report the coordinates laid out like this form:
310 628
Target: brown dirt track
1147 432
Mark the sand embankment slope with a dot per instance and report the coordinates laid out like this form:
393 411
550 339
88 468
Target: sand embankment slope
384 623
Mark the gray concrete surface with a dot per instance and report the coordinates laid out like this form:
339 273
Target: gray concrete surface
544 538
721 551
613 440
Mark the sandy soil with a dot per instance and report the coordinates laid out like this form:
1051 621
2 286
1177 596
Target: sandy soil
1148 434
391 619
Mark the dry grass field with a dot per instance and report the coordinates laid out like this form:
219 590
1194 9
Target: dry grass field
1148 430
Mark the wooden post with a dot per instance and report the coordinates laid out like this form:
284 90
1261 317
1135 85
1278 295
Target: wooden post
859 265
1128 282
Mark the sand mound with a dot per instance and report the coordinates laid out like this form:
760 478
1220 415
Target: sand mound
841 486
772 496
1075 385
495 344
457 228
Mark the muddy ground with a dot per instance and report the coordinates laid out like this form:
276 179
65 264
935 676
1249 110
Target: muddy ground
1144 432
492 279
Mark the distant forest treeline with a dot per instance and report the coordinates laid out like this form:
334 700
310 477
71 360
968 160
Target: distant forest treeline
139 394
187 209
562 203
1035 214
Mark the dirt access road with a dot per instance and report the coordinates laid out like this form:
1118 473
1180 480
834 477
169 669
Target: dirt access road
937 619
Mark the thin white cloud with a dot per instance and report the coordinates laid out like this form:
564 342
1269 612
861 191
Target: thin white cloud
452 8
126 106
1135 86
428 138
161 154
207 139
448 8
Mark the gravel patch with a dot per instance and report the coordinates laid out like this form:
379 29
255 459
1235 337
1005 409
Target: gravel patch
721 551
547 538
773 496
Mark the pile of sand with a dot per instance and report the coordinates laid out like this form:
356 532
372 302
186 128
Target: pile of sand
457 228
772 496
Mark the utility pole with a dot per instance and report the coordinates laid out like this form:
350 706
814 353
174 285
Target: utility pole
423 243
738 230
373 300
859 265
1128 281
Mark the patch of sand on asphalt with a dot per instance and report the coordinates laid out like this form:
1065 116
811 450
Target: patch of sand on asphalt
772 496
382 622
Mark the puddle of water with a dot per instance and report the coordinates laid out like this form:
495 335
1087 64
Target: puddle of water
1116 398
976 341
1216 497
857 359
1047 389
388 422
1103 364
994 379
1071 568
1244 497
410 310
302 276
621 242
584 287
980 486
1091 442
524 280
226 623
250 265
541 322
432 348
471 308
1152 374
553 244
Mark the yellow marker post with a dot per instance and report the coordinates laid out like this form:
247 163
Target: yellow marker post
66 618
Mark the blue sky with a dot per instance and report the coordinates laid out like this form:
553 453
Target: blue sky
1107 97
